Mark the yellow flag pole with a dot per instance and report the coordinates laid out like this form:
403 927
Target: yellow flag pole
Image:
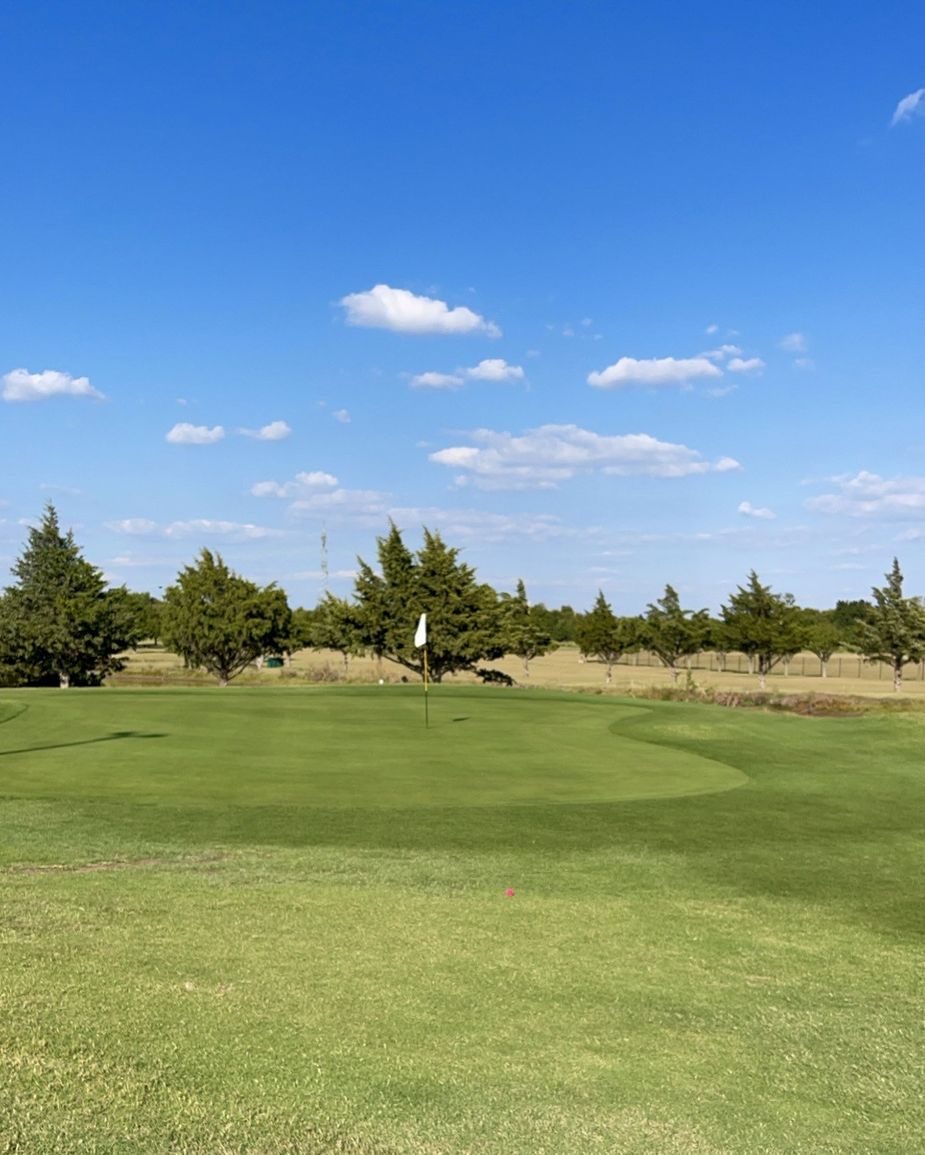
426 711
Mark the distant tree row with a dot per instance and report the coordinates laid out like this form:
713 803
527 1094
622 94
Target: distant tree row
60 624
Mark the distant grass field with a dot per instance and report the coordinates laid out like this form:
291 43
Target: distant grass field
561 669
246 921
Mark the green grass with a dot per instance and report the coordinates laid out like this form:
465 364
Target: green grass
274 921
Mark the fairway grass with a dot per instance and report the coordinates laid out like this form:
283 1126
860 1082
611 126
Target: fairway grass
260 921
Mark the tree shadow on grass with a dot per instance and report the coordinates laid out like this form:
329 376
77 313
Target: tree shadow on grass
113 737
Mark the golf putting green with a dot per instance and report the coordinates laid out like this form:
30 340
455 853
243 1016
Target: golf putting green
332 748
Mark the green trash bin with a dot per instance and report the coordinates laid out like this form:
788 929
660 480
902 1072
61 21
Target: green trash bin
274 663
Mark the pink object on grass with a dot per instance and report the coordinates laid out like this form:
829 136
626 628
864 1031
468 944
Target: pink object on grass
509 893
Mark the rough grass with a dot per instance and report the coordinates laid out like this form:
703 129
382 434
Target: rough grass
271 954
562 669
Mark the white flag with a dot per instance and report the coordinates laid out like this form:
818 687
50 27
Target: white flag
420 634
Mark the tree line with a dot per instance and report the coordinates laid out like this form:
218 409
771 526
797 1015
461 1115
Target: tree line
61 624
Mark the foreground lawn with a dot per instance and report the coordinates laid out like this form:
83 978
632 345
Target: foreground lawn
275 921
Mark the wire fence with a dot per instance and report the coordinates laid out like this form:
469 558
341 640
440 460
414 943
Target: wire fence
841 665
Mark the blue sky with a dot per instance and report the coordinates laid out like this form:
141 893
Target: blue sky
610 295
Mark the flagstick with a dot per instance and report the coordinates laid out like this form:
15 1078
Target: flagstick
426 711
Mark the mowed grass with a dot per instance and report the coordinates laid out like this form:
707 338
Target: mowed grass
275 921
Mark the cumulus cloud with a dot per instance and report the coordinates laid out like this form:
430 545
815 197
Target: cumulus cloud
402 311
910 106
495 369
349 503
185 434
341 415
869 495
197 526
722 352
231 530
760 512
745 365
653 371
793 343
275 431
21 385
436 381
543 457
491 369
135 526
481 524
302 483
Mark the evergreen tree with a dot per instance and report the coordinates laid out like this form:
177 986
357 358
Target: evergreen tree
849 617
821 636
221 622
523 636
301 625
463 625
60 624
672 633
336 626
559 624
602 635
763 625
895 633
146 613
718 640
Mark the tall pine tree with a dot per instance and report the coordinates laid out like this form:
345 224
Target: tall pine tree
59 623
672 633
602 635
895 632
763 625
463 626
218 621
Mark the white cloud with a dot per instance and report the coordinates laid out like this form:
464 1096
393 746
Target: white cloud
363 503
491 369
793 343
804 363
909 106
383 307
495 369
653 371
275 431
233 530
436 381
869 495
301 484
341 415
127 561
722 352
230 530
136 526
185 434
761 512
711 329
21 385
543 457
746 365
480 524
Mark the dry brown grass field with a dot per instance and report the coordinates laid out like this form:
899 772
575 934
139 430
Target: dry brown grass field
562 669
